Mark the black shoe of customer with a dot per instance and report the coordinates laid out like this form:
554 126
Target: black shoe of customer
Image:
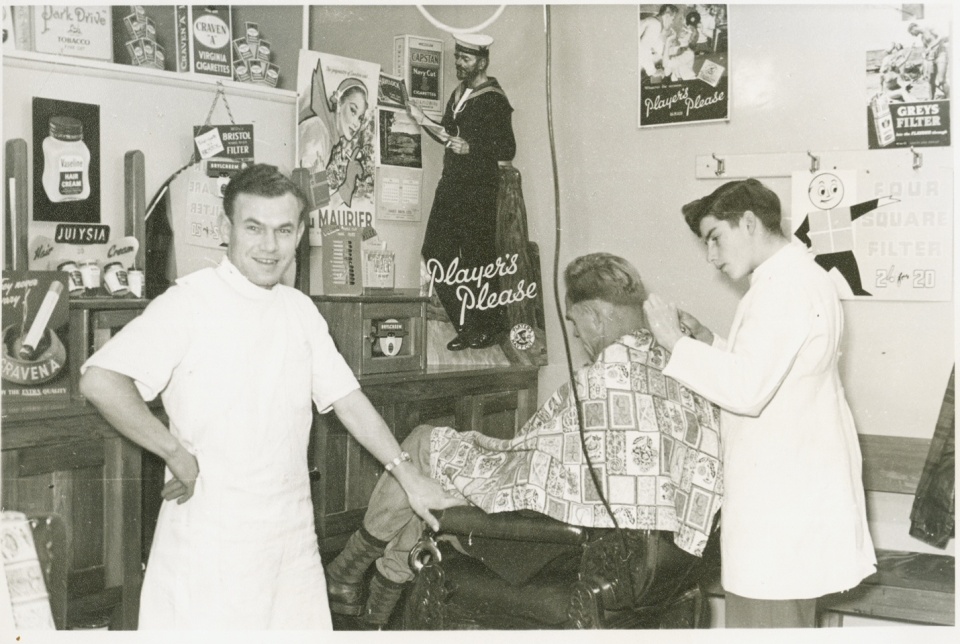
459 343
483 340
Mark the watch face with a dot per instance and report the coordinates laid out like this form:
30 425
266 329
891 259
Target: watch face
522 337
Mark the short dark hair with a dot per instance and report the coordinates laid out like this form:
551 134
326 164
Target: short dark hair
262 180
664 8
731 200
604 277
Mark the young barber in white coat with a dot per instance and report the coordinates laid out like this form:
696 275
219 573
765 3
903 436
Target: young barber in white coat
794 523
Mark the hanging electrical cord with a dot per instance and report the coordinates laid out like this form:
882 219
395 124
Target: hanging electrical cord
457 30
556 289
194 157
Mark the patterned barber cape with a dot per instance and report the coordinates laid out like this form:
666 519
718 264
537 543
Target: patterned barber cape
654 445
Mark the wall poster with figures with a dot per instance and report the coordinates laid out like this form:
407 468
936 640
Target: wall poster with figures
884 233
336 138
908 79
683 64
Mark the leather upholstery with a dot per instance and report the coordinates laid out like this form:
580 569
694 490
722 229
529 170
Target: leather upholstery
526 570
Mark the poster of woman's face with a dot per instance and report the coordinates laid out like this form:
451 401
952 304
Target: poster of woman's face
335 136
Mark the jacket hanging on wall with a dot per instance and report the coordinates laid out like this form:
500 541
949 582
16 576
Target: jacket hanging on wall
933 518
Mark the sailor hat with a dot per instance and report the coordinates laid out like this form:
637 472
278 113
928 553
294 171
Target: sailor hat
475 44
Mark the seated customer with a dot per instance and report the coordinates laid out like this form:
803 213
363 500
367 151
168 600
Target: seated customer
654 446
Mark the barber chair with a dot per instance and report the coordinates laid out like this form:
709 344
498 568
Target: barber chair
524 570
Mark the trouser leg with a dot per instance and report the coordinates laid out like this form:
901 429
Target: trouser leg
387 524
745 612
389 516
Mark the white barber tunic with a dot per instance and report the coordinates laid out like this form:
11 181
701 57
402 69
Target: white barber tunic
237 367
794 523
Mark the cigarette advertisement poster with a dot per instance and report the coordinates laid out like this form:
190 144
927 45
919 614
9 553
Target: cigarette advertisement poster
336 138
233 141
391 93
908 74
881 236
684 64
419 62
66 161
202 206
36 310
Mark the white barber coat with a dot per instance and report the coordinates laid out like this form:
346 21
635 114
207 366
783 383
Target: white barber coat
793 524
238 368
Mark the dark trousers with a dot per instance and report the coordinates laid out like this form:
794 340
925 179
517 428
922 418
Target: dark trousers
461 233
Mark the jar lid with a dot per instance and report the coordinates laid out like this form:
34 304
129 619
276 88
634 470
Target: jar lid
66 128
113 264
68 262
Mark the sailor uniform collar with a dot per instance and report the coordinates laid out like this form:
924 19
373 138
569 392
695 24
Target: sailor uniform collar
491 85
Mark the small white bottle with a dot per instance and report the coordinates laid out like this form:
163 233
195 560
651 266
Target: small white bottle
66 161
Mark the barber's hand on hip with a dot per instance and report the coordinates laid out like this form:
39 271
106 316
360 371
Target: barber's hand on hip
185 469
664 321
458 145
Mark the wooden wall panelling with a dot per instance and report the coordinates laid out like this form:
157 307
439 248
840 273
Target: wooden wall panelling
121 476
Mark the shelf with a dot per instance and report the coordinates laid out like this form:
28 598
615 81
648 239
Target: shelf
146 75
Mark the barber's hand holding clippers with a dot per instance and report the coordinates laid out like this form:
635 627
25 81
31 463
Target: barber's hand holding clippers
669 324
694 329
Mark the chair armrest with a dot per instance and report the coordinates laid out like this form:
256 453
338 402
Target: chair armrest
522 525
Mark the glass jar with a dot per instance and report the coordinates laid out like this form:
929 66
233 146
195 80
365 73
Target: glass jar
66 161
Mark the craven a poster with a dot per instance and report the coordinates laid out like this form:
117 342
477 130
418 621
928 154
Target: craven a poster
36 311
683 62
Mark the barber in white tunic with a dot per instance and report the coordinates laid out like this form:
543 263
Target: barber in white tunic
793 525
238 360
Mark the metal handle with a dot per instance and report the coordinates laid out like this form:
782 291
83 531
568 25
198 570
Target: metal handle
423 553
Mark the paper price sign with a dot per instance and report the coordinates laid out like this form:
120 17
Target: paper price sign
209 143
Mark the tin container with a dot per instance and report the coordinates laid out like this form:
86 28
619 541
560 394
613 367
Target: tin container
135 282
90 274
115 279
74 279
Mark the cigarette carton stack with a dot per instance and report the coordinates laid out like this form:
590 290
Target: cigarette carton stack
251 58
142 43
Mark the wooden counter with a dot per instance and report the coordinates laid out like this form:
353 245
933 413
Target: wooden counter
66 459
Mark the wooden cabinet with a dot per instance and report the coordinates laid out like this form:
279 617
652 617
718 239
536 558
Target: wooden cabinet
493 400
69 461
62 457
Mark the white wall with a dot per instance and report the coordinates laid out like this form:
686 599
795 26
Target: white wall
153 112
